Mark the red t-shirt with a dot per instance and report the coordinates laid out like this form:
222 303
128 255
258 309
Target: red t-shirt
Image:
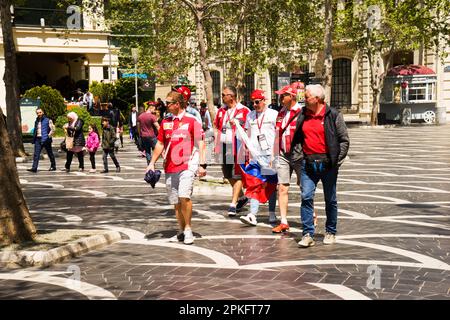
314 133
182 132
285 124
146 122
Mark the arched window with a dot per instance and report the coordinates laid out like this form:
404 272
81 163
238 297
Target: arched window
341 87
215 75
249 81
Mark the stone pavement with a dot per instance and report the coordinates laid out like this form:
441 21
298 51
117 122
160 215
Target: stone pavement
393 232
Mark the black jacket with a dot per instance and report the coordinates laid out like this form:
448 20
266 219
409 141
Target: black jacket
336 137
77 133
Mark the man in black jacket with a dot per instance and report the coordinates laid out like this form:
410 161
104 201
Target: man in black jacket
320 145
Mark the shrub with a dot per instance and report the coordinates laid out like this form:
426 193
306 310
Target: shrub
105 91
52 102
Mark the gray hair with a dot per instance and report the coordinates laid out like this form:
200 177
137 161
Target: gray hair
316 90
232 89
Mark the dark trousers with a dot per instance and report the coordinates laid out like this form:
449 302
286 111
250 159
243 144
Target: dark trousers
80 156
92 158
113 157
148 143
37 153
134 134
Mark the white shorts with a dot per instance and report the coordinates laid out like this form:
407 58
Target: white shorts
179 185
284 170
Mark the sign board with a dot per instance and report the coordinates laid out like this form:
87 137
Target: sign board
133 75
447 69
148 85
28 113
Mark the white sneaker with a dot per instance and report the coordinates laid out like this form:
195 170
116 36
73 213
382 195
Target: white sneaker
249 219
188 237
92 171
329 238
306 241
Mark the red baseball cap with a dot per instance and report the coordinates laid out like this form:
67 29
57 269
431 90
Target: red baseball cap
298 85
185 92
287 89
257 94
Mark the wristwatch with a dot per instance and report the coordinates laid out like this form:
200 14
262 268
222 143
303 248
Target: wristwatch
204 165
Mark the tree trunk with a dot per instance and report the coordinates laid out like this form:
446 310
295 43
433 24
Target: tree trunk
375 61
15 220
328 56
237 70
204 64
11 80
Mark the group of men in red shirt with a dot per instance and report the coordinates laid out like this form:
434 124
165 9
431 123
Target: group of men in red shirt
310 140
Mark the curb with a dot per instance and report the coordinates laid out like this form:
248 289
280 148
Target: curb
56 255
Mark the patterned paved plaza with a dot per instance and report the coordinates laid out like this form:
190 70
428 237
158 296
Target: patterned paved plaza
393 232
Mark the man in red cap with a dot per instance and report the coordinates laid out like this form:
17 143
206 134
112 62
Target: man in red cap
228 145
286 122
260 126
186 93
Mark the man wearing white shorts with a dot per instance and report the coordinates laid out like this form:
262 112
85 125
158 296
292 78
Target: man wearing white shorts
181 138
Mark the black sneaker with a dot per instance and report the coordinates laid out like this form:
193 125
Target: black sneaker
104 171
52 169
32 170
179 237
232 211
118 169
241 203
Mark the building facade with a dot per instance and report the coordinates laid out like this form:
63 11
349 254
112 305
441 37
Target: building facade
65 48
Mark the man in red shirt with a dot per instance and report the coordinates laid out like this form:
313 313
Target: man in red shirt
228 146
146 124
320 144
181 138
286 121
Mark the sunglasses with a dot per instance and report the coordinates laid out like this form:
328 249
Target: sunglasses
256 101
170 102
226 94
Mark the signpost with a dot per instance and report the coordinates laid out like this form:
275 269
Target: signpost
28 113
135 55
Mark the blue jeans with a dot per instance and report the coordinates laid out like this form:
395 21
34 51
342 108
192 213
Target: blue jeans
308 187
38 146
254 204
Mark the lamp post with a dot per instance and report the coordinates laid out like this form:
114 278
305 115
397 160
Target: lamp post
134 54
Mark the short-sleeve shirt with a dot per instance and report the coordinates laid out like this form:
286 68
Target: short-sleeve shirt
147 122
286 125
314 133
262 123
180 134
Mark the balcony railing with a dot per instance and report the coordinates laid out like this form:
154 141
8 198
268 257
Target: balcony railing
31 17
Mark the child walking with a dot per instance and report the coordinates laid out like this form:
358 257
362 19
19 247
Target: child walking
92 144
108 139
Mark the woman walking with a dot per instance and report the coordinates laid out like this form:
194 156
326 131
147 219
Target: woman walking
75 141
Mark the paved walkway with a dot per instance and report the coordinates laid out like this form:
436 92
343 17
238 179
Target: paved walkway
393 232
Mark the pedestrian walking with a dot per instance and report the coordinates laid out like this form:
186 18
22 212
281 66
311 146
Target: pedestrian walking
228 146
42 138
182 140
108 140
75 141
320 144
92 144
261 129
148 128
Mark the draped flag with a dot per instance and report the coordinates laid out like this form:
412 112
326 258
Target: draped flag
259 180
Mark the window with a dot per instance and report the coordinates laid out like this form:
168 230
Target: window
417 92
215 75
273 81
105 72
341 87
249 86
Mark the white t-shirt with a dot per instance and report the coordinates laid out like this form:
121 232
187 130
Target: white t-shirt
262 124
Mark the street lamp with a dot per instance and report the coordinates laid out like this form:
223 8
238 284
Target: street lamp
135 55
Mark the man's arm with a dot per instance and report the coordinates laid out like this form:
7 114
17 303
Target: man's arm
156 153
